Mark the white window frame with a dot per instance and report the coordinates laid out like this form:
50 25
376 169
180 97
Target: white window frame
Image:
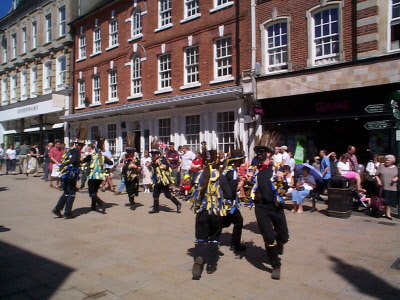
191 9
191 67
81 93
48 27
47 77
33 81
223 59
113 33
4 47
393 45
34 34
62 27
82 46
225 138
164 14
220 4
97 40
326 39
164 130
24 39
96 89
136 23
24 84
61 72
276 52
4 90
192 131
164 73
13 88
14 52
112 138
136 76
112 85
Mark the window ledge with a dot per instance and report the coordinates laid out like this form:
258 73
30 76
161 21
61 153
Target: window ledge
80 59
222 79
136 96
79 107
165 90
196 16
95 104
225 5
33 49
34 95
47 91
190 85
112 101
112 47
60 37
136 37
95 54
163 27
46 44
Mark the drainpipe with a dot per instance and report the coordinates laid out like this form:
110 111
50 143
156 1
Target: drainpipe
253 33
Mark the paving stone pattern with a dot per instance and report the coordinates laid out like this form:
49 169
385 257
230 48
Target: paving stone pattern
128 254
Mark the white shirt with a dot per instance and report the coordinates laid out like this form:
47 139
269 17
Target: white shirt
12 154
344 167
286 158
277 158
187 160
107 154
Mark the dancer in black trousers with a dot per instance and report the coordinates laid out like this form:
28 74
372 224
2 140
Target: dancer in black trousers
269 210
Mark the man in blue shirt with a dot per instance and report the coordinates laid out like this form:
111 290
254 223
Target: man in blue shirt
325 167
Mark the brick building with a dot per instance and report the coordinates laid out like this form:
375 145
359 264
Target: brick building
165 69
321 63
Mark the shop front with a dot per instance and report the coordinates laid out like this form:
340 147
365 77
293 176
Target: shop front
334 120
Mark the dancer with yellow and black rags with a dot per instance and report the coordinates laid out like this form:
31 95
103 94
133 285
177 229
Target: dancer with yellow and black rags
232 203
97 173
69 173
131 170
208 204
269 209
162 179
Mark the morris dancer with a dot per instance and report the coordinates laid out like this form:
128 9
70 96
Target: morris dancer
131 171
69 172
162 179
209 208
96 175
269 210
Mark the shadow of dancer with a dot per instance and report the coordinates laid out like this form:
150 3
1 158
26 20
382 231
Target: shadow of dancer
365 281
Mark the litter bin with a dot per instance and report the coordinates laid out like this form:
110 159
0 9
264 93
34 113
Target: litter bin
340 199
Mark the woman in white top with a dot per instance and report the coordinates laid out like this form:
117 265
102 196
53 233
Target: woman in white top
145 164
11 155
344 170
304 185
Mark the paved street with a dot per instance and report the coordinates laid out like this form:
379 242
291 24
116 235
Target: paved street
133 255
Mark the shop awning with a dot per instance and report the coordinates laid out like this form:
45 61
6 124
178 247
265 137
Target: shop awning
58 125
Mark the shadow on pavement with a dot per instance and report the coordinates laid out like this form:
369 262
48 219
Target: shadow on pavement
4 229
253 227
257 256
3 188
366 282
24 275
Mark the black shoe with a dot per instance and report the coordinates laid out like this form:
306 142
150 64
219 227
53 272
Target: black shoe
68 216
276 273
26 174
178 208
154 211
197 268
280 248
238 248
103 208
57 213
211 268
313 209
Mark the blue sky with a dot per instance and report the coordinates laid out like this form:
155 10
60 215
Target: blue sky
5 6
